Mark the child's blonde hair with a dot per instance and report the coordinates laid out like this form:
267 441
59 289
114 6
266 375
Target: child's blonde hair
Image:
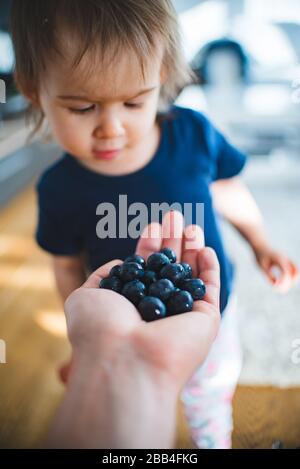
100 26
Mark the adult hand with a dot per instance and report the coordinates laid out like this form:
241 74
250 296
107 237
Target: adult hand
175 345
126 374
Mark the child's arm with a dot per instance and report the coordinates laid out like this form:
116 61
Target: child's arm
69 274
234 202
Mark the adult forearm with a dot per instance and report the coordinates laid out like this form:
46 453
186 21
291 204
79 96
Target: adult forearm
119 403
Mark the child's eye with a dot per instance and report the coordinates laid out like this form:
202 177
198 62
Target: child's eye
133 105
83 110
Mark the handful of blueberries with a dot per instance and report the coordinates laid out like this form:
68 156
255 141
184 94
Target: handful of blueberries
159 287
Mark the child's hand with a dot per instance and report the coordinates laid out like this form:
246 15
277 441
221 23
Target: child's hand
279 269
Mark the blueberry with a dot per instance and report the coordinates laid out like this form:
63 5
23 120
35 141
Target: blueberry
149 277
115 271
157 261
169 253
134 291
180 302
195 286
173 272
162 289
151 308
131 271
111 283
188 269
136 258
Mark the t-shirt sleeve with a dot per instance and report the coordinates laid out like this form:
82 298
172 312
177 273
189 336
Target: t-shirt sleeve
229 160
56 232
225 160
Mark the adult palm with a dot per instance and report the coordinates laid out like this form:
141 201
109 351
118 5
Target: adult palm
174 346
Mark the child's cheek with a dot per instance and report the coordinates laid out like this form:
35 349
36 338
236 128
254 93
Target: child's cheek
73 138
142 128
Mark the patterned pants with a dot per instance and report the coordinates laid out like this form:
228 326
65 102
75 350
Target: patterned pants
207 396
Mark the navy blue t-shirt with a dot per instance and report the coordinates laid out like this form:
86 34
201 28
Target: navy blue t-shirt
191 155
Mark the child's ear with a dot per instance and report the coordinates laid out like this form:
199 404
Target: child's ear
31 95
33 98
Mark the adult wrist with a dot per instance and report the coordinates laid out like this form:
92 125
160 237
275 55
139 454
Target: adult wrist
134 403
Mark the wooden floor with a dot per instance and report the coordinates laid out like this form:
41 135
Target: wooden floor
32 325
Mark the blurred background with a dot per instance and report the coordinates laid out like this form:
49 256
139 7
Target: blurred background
246 56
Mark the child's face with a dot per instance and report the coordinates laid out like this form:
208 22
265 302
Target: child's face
104 112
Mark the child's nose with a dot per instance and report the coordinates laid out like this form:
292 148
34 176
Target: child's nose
109 126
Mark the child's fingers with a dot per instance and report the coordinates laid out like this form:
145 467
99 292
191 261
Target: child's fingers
172 232
193 241
283 285
97 275
150 240
282 274
294 271
273 274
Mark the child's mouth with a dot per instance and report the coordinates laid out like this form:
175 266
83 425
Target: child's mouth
106 155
